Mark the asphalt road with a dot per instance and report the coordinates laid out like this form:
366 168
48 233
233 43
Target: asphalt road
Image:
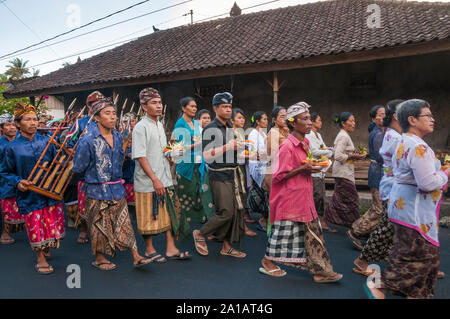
214 276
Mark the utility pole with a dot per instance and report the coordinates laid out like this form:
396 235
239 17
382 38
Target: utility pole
191 13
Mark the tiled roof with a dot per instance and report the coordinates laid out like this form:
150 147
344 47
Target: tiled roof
290 33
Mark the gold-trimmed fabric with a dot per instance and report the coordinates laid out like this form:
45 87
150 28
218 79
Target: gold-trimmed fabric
22 109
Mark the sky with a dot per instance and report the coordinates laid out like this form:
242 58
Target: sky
26 22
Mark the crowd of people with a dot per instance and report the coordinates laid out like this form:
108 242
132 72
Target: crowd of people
224 177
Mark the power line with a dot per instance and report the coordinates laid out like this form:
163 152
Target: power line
72 30
82 52
4 57
128 40
32 31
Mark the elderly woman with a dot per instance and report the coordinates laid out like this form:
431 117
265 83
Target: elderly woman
343 208
296 237
413 209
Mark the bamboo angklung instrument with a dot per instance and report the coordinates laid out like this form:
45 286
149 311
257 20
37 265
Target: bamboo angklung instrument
58 167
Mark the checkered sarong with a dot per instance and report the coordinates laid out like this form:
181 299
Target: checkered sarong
286 242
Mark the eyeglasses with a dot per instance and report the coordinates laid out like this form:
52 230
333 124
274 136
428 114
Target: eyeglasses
430 117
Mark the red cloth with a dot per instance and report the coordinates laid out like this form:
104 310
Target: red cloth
129 189
291 199
11 213
81 200
45 227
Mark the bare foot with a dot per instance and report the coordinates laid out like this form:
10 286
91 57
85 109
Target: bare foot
269 265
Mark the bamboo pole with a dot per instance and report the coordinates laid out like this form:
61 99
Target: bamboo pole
64 177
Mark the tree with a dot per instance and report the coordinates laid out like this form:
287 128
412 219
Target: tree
35 73
65 64
7 105
17 69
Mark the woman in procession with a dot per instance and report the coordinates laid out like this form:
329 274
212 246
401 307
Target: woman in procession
296 237
257 169
343 208
193 188
319 149
238 120
364 225
44 217
414 205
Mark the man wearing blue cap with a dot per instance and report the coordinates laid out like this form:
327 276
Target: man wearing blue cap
227 183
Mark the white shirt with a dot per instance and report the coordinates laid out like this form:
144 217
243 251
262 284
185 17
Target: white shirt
149 140
258 168
315 141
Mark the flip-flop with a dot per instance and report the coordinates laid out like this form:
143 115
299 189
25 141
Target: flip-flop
154 258
7 241
98 265
202 251
37 267
233 253
271 272
142 262
327 281
261 228
330 230
363 272
82 240
179 257
250 221
369 293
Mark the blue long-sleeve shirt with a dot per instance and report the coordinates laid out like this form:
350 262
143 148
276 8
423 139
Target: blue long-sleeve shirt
100 164
128 168
7 189
20 157
375 169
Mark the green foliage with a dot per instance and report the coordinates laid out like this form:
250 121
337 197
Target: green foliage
17 69
7 105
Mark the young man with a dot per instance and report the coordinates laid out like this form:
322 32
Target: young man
12 221
227 183
296 237
157 206
77 179
44 217
99 157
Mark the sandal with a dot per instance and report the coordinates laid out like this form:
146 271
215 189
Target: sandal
99 265
355 241
330 230
261 228
179 256
363 272
142 262
82 240
156 258
272 272
202 250
330 279
233 253
7 241
49 271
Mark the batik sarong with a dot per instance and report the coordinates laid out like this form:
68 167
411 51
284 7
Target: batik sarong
195 196
109 226
413 265
343 208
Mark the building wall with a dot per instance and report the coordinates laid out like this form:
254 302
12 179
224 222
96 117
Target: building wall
354 87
